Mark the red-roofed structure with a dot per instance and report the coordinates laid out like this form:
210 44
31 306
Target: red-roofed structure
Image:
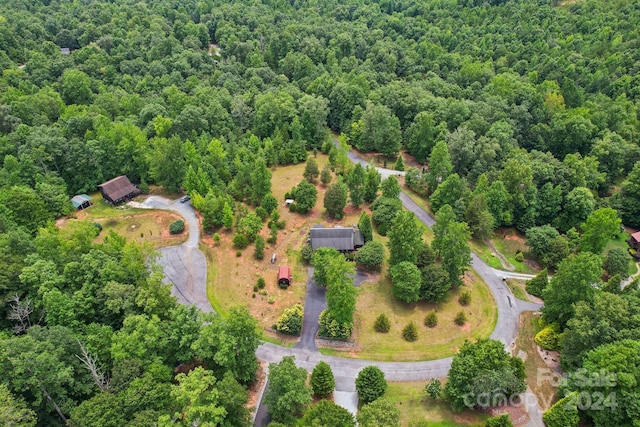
634 242
284 276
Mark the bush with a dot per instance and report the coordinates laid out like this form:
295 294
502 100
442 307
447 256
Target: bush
465 298
499 421
564 413
431 319
370 384
259 249
262 213
216 238
176 227
460 318
548 337
269 203
538 284
255 288
410 332
98 226
322 381
434 388
271 299
240 241
399 164
290 322
382 323
307 253
238 253
261 283
519 256
331 328
371 255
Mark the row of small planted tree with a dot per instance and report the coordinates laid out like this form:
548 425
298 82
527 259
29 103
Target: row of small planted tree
288 397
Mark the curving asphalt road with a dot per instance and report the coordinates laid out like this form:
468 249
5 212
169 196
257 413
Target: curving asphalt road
185 267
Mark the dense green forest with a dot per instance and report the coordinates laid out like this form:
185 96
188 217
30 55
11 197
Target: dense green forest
524 113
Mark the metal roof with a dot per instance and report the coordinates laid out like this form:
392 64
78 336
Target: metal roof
80 199
342 239
118 188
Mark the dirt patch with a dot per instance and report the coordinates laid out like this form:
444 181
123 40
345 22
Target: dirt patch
256 386
517 412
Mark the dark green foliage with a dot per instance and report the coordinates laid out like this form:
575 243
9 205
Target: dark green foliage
305 195
382 323
384 211
460 318
259 250
320 260
434 388
365 227
370 384
483 367
311 171
538 284
327 413
435 283
410 332
322 381
371 184
371 255
262 213
261 283
399 164
307 253
406 280
390 187
431 319
405 239
465 298
499 421
287 396
325 175
240 241
269 203
290 322
617 262
564 413
335 200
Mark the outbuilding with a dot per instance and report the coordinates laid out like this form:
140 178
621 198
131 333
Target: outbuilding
284 276
118 190
81 201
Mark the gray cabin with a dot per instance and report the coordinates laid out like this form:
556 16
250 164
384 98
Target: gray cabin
344 239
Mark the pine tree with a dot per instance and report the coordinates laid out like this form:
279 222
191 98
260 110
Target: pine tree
399 164
365 227
322 380
382 323
325 175
410 332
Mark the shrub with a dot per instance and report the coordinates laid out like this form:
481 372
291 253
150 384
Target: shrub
176 227
290 322
399 164
259 249
410 332
322 381
460 318
238 253
240 241
431 319
499 421
98 226
370 384
382 323
271 299
465 298
519 256
371 255
261 283
273 235
548 337
255 288
307 253
538 284
262 213
144 187
269 203
216 238
331 328
564 413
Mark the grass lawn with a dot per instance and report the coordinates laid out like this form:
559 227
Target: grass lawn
518 289
534 364
485 253
139 225
433 343
418 409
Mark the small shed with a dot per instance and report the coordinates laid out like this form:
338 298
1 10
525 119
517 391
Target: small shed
284 276
81 201
118 190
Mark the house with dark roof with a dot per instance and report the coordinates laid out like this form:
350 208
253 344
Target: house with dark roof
344 239
118 190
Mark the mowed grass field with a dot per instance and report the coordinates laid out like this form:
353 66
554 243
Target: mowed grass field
146 226
444 340
418 409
